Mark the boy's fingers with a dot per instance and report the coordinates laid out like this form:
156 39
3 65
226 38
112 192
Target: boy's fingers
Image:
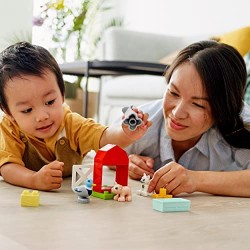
56 173
55 186
57 180
56 165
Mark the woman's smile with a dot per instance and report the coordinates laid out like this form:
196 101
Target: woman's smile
175 125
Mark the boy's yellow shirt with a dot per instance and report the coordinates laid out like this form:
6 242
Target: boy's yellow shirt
83 134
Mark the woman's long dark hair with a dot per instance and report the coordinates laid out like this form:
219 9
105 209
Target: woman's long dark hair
223 72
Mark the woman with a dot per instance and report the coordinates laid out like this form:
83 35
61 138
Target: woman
199 135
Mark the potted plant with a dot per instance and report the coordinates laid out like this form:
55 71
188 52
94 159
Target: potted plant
75 32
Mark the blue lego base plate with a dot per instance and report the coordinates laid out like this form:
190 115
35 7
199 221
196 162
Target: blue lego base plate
171 205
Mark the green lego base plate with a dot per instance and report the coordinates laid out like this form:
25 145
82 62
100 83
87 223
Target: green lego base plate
105 195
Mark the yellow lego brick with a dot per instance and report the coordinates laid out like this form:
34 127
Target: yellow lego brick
30 198
162 194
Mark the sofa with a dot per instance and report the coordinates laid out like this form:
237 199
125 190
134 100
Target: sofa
127 45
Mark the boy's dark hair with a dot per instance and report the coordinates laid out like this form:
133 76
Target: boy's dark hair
24 58
223 72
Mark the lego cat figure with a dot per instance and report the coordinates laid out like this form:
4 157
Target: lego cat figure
144 185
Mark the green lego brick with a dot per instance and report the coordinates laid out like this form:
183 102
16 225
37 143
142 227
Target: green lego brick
105 195
171 205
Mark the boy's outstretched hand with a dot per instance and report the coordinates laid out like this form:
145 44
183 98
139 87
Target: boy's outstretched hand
134 126
135 122
49 177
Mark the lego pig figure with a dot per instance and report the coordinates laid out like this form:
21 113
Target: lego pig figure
123 193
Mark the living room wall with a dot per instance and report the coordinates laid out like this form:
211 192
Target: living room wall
184 17
15 21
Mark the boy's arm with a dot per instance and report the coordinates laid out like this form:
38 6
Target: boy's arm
47 178
18 175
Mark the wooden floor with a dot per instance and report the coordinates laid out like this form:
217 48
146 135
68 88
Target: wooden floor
60 222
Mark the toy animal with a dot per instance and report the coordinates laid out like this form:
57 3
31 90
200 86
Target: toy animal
123 193
84 191
144 185
130 118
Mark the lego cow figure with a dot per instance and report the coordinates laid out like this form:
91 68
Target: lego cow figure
144 185
131 118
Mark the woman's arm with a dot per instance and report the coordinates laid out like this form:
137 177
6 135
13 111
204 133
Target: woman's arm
178 180
235 183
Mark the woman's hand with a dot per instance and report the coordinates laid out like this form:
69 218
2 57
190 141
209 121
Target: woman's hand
138 165
49 176
175 178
